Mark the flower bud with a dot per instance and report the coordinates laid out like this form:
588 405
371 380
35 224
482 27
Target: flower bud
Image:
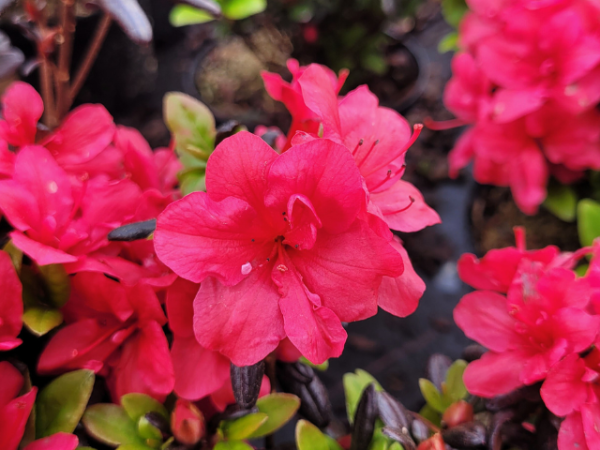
391 411
435 442
187 423
364 419
467 435
457 413
246 382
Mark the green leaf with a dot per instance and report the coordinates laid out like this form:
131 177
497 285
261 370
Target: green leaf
110 425
240 9
60 405
379 442
182 15
16 255
354 385
453 11
41 319
232 445
192 181
448 43
374 62
588 221
279 408
431 414
243 427
396 446
321 367
582 269
191 124
57 283
433 396
561 201
455 386
134 447
148 431
138 405
309 437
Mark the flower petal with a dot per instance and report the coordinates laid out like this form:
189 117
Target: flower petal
40 253
495 374
11 305
58 441
571 435
13 418
22 108
564 390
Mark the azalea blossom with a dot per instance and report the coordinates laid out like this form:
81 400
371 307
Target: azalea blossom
14 408
279 249
114 330
11 305
526 80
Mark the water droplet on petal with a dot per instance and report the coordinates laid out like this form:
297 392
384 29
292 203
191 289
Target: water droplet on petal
52 187
246 268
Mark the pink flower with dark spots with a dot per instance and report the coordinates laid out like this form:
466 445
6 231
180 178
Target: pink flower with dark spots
279 249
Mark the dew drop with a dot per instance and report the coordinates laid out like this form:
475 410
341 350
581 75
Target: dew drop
246 268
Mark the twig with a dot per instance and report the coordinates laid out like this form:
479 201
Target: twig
90 57
64 57
47 93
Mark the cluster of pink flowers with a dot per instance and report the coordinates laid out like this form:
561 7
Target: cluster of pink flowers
528 80
287 246
282 248
540 322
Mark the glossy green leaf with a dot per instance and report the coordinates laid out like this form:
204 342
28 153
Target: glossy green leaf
135 447
60 405
232 445
279 408
453 11
432 396
192 181
57 283
183 15
191 124
240 9
148 431
431 414
309 437
448 43
395 446
243 427
16 255
379 442
561 201
41 319
321 367
588 221
455 386
354 385
138 405
111 425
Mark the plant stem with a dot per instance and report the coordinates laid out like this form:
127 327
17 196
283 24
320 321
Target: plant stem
47 94
90 57
64 57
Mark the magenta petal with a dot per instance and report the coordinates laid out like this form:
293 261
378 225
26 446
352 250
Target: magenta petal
137 157
22 107
243 322
12 382
346 269
238 168
180 307
404 208
83 134
564 390
198 372
483 317
197 237
528 179
326 174
313 329
11 305
58 441
571 435
19 206
320 96
400 296
495 374
590 417
40 253
13 419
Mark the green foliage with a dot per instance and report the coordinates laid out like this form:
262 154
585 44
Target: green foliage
561 201
309 437
232 445
41 319
243 427
453 11
138 405
111 425
56 281
455 387
448 43
279 408
15 254
321 367
588 221
354 385
182 15
433 397
60 405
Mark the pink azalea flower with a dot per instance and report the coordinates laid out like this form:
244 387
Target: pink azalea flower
14 409
11 305
115 330
58 441
290 94
55 221
541 320
22 107
278 246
